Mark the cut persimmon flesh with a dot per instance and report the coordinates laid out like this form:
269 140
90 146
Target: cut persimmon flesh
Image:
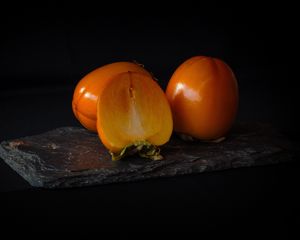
133 115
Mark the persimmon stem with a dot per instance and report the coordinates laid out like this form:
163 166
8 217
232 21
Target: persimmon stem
143 148
143 66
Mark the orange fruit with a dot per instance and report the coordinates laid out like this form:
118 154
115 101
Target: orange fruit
86 93
203 95
133 113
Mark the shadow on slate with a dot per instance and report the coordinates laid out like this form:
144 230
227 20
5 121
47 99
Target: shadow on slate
74 157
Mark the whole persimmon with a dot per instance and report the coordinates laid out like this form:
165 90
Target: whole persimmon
133 115
203 95
86 93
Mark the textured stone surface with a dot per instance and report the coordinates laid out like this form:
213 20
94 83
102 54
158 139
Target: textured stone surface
73 157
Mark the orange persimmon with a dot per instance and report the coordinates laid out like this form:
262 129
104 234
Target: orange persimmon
203 95
133 114
86 93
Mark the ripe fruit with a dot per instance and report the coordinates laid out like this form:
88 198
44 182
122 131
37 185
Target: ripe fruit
203 95
86 93
133 114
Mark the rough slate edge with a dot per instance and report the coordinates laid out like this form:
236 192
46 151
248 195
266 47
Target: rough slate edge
16 167
283 156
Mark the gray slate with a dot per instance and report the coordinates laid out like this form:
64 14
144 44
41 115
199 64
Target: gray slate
74 157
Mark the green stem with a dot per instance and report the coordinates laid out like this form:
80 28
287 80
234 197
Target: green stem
143 148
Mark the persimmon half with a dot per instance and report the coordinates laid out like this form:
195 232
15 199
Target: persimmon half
86 93
203 95
133 115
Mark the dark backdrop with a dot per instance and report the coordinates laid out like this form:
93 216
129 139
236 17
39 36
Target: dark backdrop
55 45
45 50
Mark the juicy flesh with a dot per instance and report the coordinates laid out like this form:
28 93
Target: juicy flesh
133 108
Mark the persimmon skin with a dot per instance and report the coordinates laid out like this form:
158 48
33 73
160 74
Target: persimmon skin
85 97
203 95
132 109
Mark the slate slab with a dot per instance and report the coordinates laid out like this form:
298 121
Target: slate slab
74 157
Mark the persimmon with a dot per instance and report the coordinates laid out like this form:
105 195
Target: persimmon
86 93
133 115
203 95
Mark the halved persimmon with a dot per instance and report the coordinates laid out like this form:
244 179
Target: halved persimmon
133 114
203 95
86 93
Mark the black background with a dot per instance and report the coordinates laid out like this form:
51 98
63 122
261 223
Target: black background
45 50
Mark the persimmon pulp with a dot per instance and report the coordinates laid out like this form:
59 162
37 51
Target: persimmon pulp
133 114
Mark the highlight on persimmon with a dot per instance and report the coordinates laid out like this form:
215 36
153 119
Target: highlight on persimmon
86 93
203 95
133 115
